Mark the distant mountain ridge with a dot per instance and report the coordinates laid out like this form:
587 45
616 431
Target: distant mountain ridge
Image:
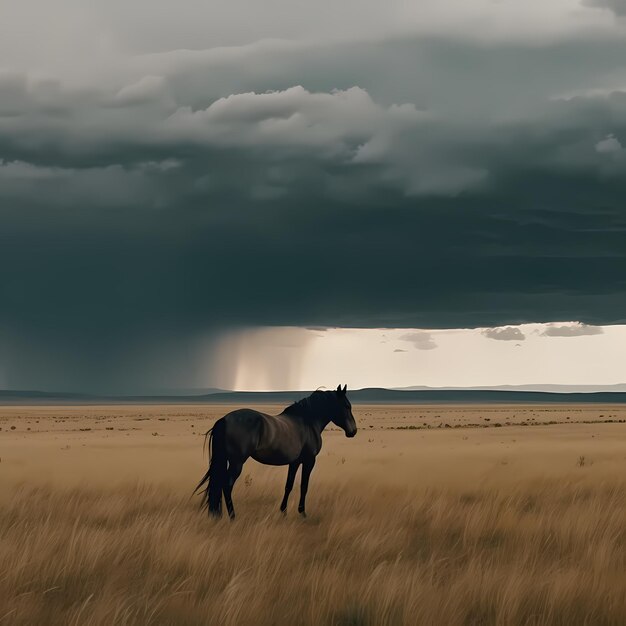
618 387
371 395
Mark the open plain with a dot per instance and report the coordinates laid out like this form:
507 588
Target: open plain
443 514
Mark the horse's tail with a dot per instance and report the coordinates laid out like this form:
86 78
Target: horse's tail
216 475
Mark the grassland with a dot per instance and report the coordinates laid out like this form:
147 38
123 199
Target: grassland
412 522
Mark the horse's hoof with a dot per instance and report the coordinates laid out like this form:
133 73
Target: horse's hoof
303 514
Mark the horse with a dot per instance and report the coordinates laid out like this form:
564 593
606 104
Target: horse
293 438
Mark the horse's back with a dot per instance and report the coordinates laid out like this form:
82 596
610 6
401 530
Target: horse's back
281 441
272 439
243 430
245 417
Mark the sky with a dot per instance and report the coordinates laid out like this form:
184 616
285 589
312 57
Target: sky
173 174
575 355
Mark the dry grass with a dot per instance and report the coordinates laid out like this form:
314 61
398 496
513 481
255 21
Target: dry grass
545 553
444 526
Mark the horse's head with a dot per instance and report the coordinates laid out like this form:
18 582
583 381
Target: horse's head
341 412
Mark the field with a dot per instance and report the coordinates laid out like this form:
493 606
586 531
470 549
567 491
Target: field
431 515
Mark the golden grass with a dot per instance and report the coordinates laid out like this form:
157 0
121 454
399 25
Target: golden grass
545 552
447 526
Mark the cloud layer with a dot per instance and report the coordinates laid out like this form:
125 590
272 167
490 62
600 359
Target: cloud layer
571 330
158 185
507 333
420 340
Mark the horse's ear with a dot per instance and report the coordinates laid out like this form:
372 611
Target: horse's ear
338 387
345 388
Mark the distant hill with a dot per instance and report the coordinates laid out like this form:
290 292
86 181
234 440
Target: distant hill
11 397
393 396
40 397
358 396
620 387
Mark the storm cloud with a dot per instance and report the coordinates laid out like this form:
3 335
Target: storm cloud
420 340
159 185
507 333
571 330
616 6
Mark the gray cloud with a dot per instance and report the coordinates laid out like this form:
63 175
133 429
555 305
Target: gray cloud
504 334
420 340
609 145
572 330
398 350
159 185
343 128
100 35
616 6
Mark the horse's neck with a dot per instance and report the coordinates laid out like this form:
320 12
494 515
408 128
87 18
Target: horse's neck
318 424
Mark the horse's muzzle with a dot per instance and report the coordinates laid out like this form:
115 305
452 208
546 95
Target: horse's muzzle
351 433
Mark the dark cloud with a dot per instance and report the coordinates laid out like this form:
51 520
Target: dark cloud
421 340
571 330
616 6
318 330
610 145
405 183
504 334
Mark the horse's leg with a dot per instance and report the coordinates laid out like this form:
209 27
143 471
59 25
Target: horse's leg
307 468
291 477
234 470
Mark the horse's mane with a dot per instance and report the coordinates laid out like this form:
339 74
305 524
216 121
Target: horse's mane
309 406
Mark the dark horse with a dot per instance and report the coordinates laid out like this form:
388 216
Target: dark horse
293 437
